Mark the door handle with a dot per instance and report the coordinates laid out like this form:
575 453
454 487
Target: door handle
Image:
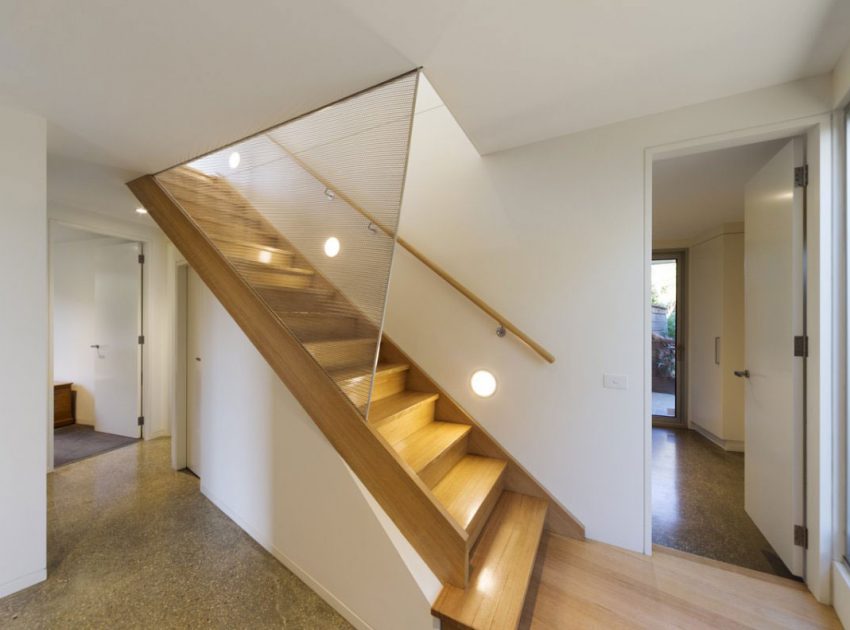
742 373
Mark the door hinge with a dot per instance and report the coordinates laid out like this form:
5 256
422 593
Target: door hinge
801 176
141 340
801 346
801 536
141 421
141 259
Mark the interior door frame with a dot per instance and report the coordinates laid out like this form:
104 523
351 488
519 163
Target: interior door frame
144 366
680 420
823 261
179 436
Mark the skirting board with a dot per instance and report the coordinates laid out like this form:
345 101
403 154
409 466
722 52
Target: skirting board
841 591
25 581
349 615
736 446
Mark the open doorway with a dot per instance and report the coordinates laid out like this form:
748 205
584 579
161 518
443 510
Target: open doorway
727 481
97 342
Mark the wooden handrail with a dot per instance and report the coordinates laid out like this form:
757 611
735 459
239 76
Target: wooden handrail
503 321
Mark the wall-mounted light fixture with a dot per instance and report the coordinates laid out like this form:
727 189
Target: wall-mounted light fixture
332 247
483 383
141 210
234 159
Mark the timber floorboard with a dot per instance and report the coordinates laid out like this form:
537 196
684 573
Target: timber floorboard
586 584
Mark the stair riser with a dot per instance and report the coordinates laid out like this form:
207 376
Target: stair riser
278 279
321 327
480 520
437 468
218 233
385 385
239 253
338 356
214 212
389 385
226 204
406 422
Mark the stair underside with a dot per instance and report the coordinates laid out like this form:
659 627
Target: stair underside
503 529
502 565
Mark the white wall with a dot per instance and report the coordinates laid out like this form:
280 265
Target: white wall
733 355
716 309
705 322
23 337
841 80
74 267
266 464
553 235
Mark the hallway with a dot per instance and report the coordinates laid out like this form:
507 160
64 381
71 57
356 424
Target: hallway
134 544
698 502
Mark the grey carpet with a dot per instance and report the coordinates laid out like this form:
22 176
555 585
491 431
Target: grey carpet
78 441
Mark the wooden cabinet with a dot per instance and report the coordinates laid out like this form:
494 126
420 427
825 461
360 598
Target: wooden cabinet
64 403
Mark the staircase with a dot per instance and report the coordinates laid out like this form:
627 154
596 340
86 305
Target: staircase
471 511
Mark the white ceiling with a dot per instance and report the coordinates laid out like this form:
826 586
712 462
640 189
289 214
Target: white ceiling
141 86
694 194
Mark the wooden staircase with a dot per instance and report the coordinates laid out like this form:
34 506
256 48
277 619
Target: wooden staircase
482 514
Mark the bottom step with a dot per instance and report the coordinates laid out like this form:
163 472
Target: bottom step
501 568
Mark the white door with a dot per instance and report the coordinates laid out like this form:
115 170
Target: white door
773 242
117 296
194 303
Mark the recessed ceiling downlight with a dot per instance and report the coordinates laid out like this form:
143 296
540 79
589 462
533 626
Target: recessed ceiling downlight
332 247
141 210
234 159
483 383
265 256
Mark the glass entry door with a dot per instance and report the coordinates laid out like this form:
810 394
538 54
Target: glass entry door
667 337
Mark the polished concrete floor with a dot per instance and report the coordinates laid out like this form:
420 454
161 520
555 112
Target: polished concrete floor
134 544
698 502
79 441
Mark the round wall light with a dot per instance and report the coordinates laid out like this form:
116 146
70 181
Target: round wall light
483 383
234 159
332 247
141 211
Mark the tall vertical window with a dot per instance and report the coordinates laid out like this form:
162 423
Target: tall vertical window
845 178
666 286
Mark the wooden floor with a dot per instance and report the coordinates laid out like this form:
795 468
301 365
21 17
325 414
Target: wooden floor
593 585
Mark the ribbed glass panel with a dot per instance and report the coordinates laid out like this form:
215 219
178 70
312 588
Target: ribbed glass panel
307 213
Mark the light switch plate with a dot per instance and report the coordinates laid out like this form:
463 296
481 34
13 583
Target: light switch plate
615 381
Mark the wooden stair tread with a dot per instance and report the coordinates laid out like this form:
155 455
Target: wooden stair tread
502 565
470 490
384 409
383 368
425 445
